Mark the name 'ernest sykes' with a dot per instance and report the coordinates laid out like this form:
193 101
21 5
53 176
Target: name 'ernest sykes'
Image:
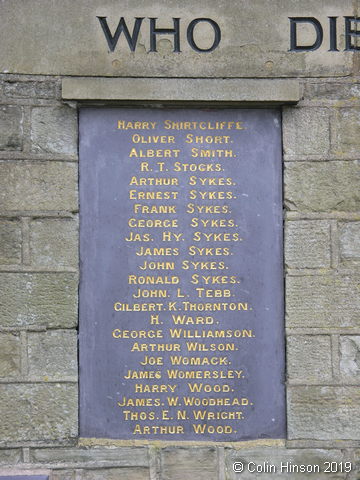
171 125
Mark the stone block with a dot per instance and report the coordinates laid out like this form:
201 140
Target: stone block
29 89
116 474
54 243
309 358
38 186
11 131
54 130
52 353
188 89
38 412
350 357
322 186
10 355
281 463
38 299
350 241
330 301
187 463
331 91
63 475
346 138
10 242
124 456
18 474
307 244
324 413
306 131
10 456
356 465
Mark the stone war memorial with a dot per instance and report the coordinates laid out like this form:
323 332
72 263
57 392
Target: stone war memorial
180 240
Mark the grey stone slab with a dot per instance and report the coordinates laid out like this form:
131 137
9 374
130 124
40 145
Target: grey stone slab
43 412
41 299
54 242
52 353
309 358
10 456
350 241
306 131
54 130
324 412
307 244
187 463
63 475
24 477
10 355
160 89
11 128
255 40
10 242
322 186
116 474
356 464
326 301
29 89
346 126
326 92
350 357
124 456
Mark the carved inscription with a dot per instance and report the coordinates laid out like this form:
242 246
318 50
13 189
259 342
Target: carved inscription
181 310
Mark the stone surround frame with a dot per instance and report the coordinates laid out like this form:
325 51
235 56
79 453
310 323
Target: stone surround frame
39 275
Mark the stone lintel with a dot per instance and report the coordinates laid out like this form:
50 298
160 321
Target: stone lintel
224 91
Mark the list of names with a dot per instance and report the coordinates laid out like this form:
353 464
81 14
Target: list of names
181 289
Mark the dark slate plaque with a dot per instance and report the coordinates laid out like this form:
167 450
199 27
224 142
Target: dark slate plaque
181 291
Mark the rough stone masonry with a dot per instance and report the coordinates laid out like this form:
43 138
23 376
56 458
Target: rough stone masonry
39 261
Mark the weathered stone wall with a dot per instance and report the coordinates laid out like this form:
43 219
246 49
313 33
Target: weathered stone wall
39 275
